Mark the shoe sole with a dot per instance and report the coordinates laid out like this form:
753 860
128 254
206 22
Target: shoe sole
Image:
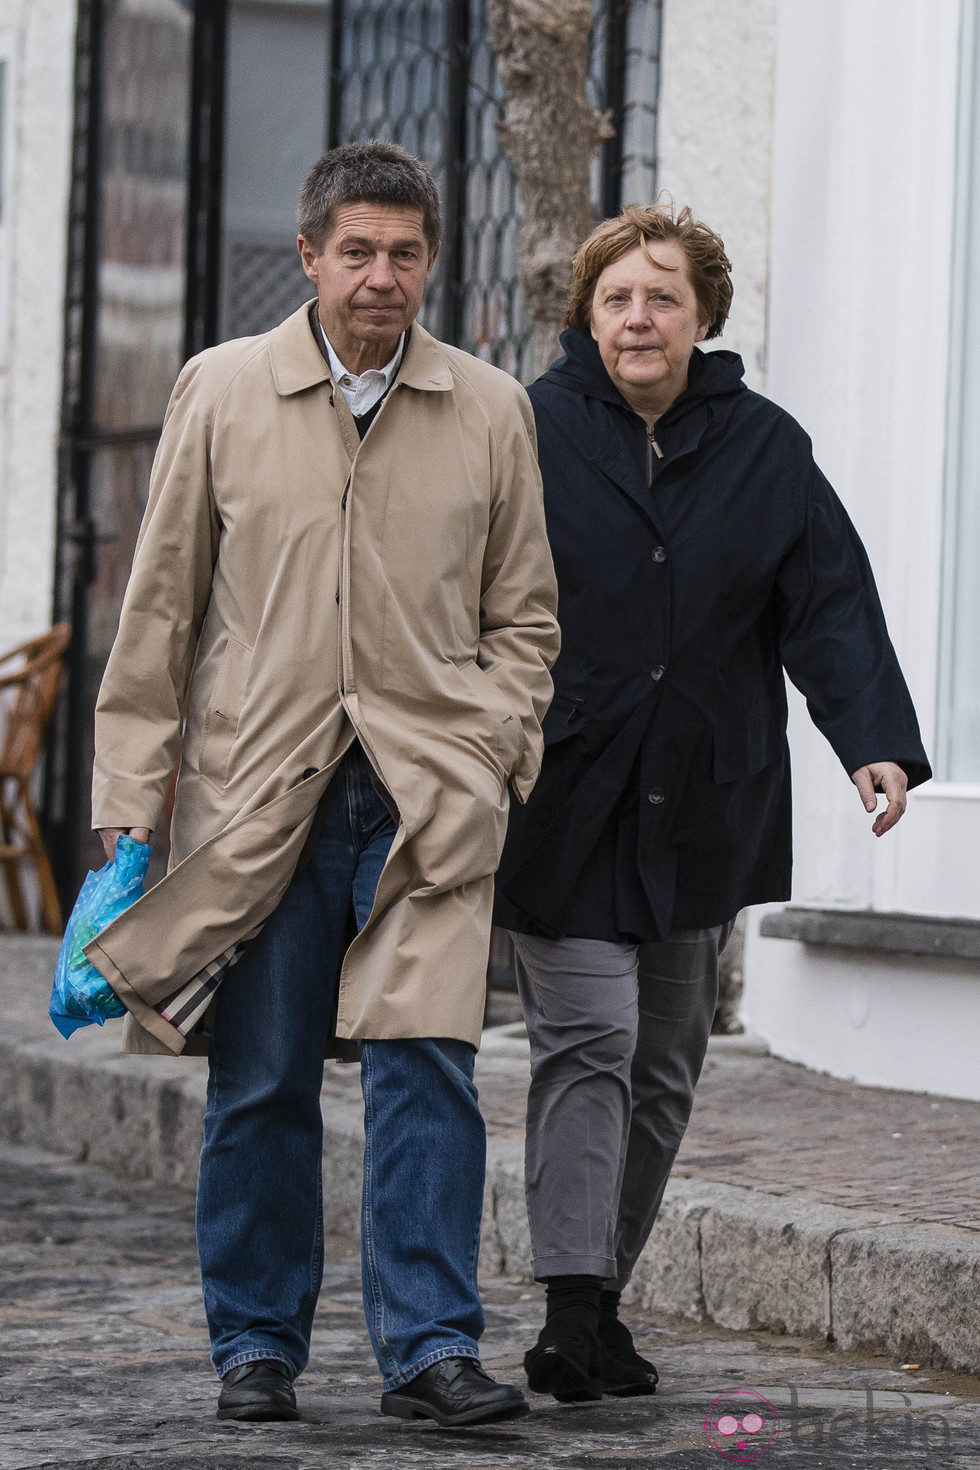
399 1407
627 1390
256 1414
564 1380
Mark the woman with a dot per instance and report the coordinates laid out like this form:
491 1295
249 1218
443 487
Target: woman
699 552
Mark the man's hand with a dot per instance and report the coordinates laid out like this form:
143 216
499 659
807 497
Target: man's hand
110 836
891 779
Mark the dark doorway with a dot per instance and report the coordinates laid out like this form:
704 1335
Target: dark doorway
136 306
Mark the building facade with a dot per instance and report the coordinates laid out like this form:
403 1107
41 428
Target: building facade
150 156
873 333
186 132
837 148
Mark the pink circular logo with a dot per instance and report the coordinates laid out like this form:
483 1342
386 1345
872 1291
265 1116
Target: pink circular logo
741 1425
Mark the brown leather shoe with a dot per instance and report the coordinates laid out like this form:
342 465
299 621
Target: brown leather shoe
258 1392
455 1391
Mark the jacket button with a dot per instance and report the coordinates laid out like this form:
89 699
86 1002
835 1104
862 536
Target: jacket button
310 771
659 553
657 673
656 795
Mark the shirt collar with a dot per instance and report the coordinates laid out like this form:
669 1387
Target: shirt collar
338 371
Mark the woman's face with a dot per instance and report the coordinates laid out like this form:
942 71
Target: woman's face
645 320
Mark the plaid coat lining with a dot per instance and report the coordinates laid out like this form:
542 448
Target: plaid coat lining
186 1008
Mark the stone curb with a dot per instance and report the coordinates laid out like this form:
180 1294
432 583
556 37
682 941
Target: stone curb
740 1258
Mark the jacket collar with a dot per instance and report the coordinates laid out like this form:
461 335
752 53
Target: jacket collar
711 374
622 456
299 363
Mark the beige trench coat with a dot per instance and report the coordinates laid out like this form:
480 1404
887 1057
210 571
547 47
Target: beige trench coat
293 588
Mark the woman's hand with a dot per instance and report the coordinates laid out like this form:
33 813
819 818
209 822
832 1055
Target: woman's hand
883 776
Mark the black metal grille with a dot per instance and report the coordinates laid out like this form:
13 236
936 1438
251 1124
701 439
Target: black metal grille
124 342
423 73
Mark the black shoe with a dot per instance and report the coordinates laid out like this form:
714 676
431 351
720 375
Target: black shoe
259 1392
564 1365
621 1370
455 1391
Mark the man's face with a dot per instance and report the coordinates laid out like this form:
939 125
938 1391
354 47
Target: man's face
369 276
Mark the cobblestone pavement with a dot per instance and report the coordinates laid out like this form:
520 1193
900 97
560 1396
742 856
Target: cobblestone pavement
104 1365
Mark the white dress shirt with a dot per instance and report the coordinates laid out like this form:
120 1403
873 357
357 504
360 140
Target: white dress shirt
362 390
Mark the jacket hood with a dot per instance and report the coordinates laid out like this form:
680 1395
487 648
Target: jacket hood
580 368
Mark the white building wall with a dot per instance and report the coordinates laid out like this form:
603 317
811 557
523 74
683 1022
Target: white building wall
820 140
864 165
715 143
37 37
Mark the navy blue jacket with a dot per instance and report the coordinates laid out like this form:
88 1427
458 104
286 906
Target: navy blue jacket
691 572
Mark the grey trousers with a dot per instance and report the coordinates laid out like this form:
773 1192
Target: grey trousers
618 1036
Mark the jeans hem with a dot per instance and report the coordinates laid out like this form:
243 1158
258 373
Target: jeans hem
257 1355
454 1350
544 1267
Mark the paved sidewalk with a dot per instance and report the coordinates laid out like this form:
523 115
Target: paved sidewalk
760 1123
799 1204
104 1362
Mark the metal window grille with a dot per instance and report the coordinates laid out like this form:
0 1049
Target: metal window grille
423 73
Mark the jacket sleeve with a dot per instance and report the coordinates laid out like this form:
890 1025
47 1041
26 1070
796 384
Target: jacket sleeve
834 643
139 709
519 636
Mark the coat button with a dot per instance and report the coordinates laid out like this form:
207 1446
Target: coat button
657 673
659 553
310 771
656 795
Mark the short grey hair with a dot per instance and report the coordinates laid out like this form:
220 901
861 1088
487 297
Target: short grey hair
375 173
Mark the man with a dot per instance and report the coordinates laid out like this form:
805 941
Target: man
343 581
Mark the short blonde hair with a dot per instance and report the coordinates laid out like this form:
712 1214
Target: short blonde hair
708 266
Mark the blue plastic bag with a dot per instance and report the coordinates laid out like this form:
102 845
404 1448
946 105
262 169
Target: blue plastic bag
80 995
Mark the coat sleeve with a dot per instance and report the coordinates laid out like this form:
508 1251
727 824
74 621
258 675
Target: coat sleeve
834 643
139 709
519 636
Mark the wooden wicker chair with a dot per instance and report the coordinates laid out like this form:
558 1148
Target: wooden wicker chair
28 692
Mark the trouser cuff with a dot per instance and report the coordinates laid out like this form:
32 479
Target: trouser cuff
544 1267
452 1350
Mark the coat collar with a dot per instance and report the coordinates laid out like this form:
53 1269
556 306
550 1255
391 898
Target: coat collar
621 455
298 363
711 374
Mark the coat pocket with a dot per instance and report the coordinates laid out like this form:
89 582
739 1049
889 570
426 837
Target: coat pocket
224 712
504 728
563 718
744 747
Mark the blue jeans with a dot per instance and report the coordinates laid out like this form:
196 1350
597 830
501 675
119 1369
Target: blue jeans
259 1201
